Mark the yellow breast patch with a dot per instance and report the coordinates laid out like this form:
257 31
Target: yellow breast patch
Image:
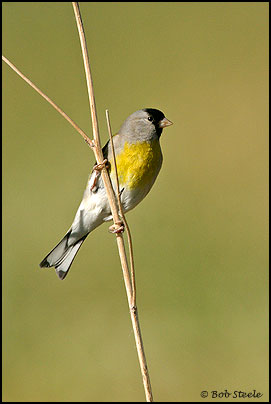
138 164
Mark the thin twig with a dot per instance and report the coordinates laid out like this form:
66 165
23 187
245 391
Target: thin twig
95 145
86 138
97 149
114 209
129 235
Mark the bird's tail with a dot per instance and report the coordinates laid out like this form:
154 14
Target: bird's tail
62 256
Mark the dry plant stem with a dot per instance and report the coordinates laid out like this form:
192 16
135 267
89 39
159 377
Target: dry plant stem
129 236
86 138
97 149
114 209
134 317
99 157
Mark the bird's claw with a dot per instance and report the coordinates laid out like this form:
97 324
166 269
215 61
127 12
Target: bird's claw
117 228
97 169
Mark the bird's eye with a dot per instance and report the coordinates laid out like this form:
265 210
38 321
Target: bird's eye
150 118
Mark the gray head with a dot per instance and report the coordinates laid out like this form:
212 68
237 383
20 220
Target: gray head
145 124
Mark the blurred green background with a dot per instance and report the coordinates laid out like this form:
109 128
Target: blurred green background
200 237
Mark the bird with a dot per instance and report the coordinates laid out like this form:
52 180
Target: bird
138 159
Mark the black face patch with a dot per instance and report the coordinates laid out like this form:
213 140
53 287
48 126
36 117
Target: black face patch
155 114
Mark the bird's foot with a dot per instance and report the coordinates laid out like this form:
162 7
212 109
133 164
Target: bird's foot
117 228
97 168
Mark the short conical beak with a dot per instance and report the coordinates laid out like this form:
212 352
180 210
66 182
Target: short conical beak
165 122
